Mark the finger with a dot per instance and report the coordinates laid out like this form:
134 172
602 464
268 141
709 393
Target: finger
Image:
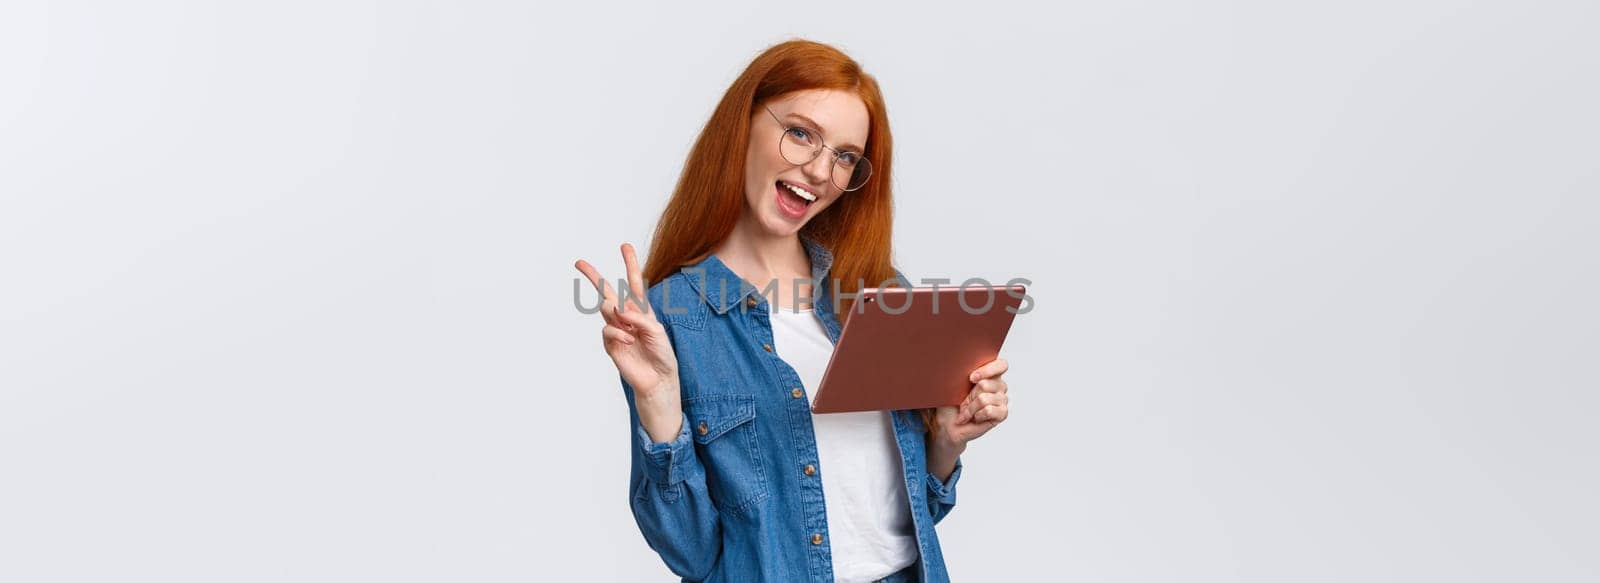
613 336
990 385
608 311
971 405
964 410
993 368
982 400
991 413
989 399
593 275
638 322
635 278
608 300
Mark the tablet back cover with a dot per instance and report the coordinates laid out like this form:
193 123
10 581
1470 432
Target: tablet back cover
919 357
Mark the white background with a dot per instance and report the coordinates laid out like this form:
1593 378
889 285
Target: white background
285 288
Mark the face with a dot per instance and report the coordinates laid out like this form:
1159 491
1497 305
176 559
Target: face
772 206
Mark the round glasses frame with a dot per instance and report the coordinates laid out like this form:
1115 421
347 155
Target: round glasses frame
856 175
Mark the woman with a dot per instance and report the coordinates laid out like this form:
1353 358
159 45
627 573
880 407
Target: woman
733 477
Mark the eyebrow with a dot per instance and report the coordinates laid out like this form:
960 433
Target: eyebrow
818 127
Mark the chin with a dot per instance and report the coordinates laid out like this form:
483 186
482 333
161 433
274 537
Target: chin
780 227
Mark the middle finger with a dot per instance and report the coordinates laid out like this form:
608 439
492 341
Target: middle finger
635 278
993 385
981 400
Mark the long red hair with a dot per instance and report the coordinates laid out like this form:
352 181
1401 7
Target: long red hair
710 193
709 196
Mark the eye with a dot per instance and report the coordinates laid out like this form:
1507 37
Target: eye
800 134
849 159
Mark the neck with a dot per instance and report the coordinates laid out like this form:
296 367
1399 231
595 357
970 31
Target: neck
760 258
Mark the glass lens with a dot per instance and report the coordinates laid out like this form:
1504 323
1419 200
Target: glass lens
851 172
798 146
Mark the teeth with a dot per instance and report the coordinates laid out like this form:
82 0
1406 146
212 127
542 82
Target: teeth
801 192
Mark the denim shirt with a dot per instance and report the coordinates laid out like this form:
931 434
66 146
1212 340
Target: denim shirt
729 498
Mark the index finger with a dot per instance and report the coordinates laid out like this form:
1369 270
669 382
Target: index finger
993 368
598 282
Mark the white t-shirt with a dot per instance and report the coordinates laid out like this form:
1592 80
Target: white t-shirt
869 517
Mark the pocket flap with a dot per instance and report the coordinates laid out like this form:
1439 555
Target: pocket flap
712 416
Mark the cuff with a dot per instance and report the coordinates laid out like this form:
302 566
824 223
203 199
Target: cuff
669 462
945 491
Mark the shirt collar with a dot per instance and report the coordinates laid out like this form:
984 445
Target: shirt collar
723 289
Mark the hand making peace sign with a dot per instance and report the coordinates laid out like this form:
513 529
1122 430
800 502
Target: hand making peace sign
638 345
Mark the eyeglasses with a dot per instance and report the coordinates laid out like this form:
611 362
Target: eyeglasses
800 145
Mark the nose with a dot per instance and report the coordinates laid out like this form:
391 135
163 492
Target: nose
820 169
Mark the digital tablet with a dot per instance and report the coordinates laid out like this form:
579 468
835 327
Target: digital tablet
911 348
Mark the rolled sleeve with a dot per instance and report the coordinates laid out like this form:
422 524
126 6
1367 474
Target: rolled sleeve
671 462
944 492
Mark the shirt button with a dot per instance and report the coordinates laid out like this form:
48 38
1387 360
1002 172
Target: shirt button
796 393
703 429
811 470
816 538
766 347
750 302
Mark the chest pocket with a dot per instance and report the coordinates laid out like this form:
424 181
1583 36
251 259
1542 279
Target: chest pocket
724 431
